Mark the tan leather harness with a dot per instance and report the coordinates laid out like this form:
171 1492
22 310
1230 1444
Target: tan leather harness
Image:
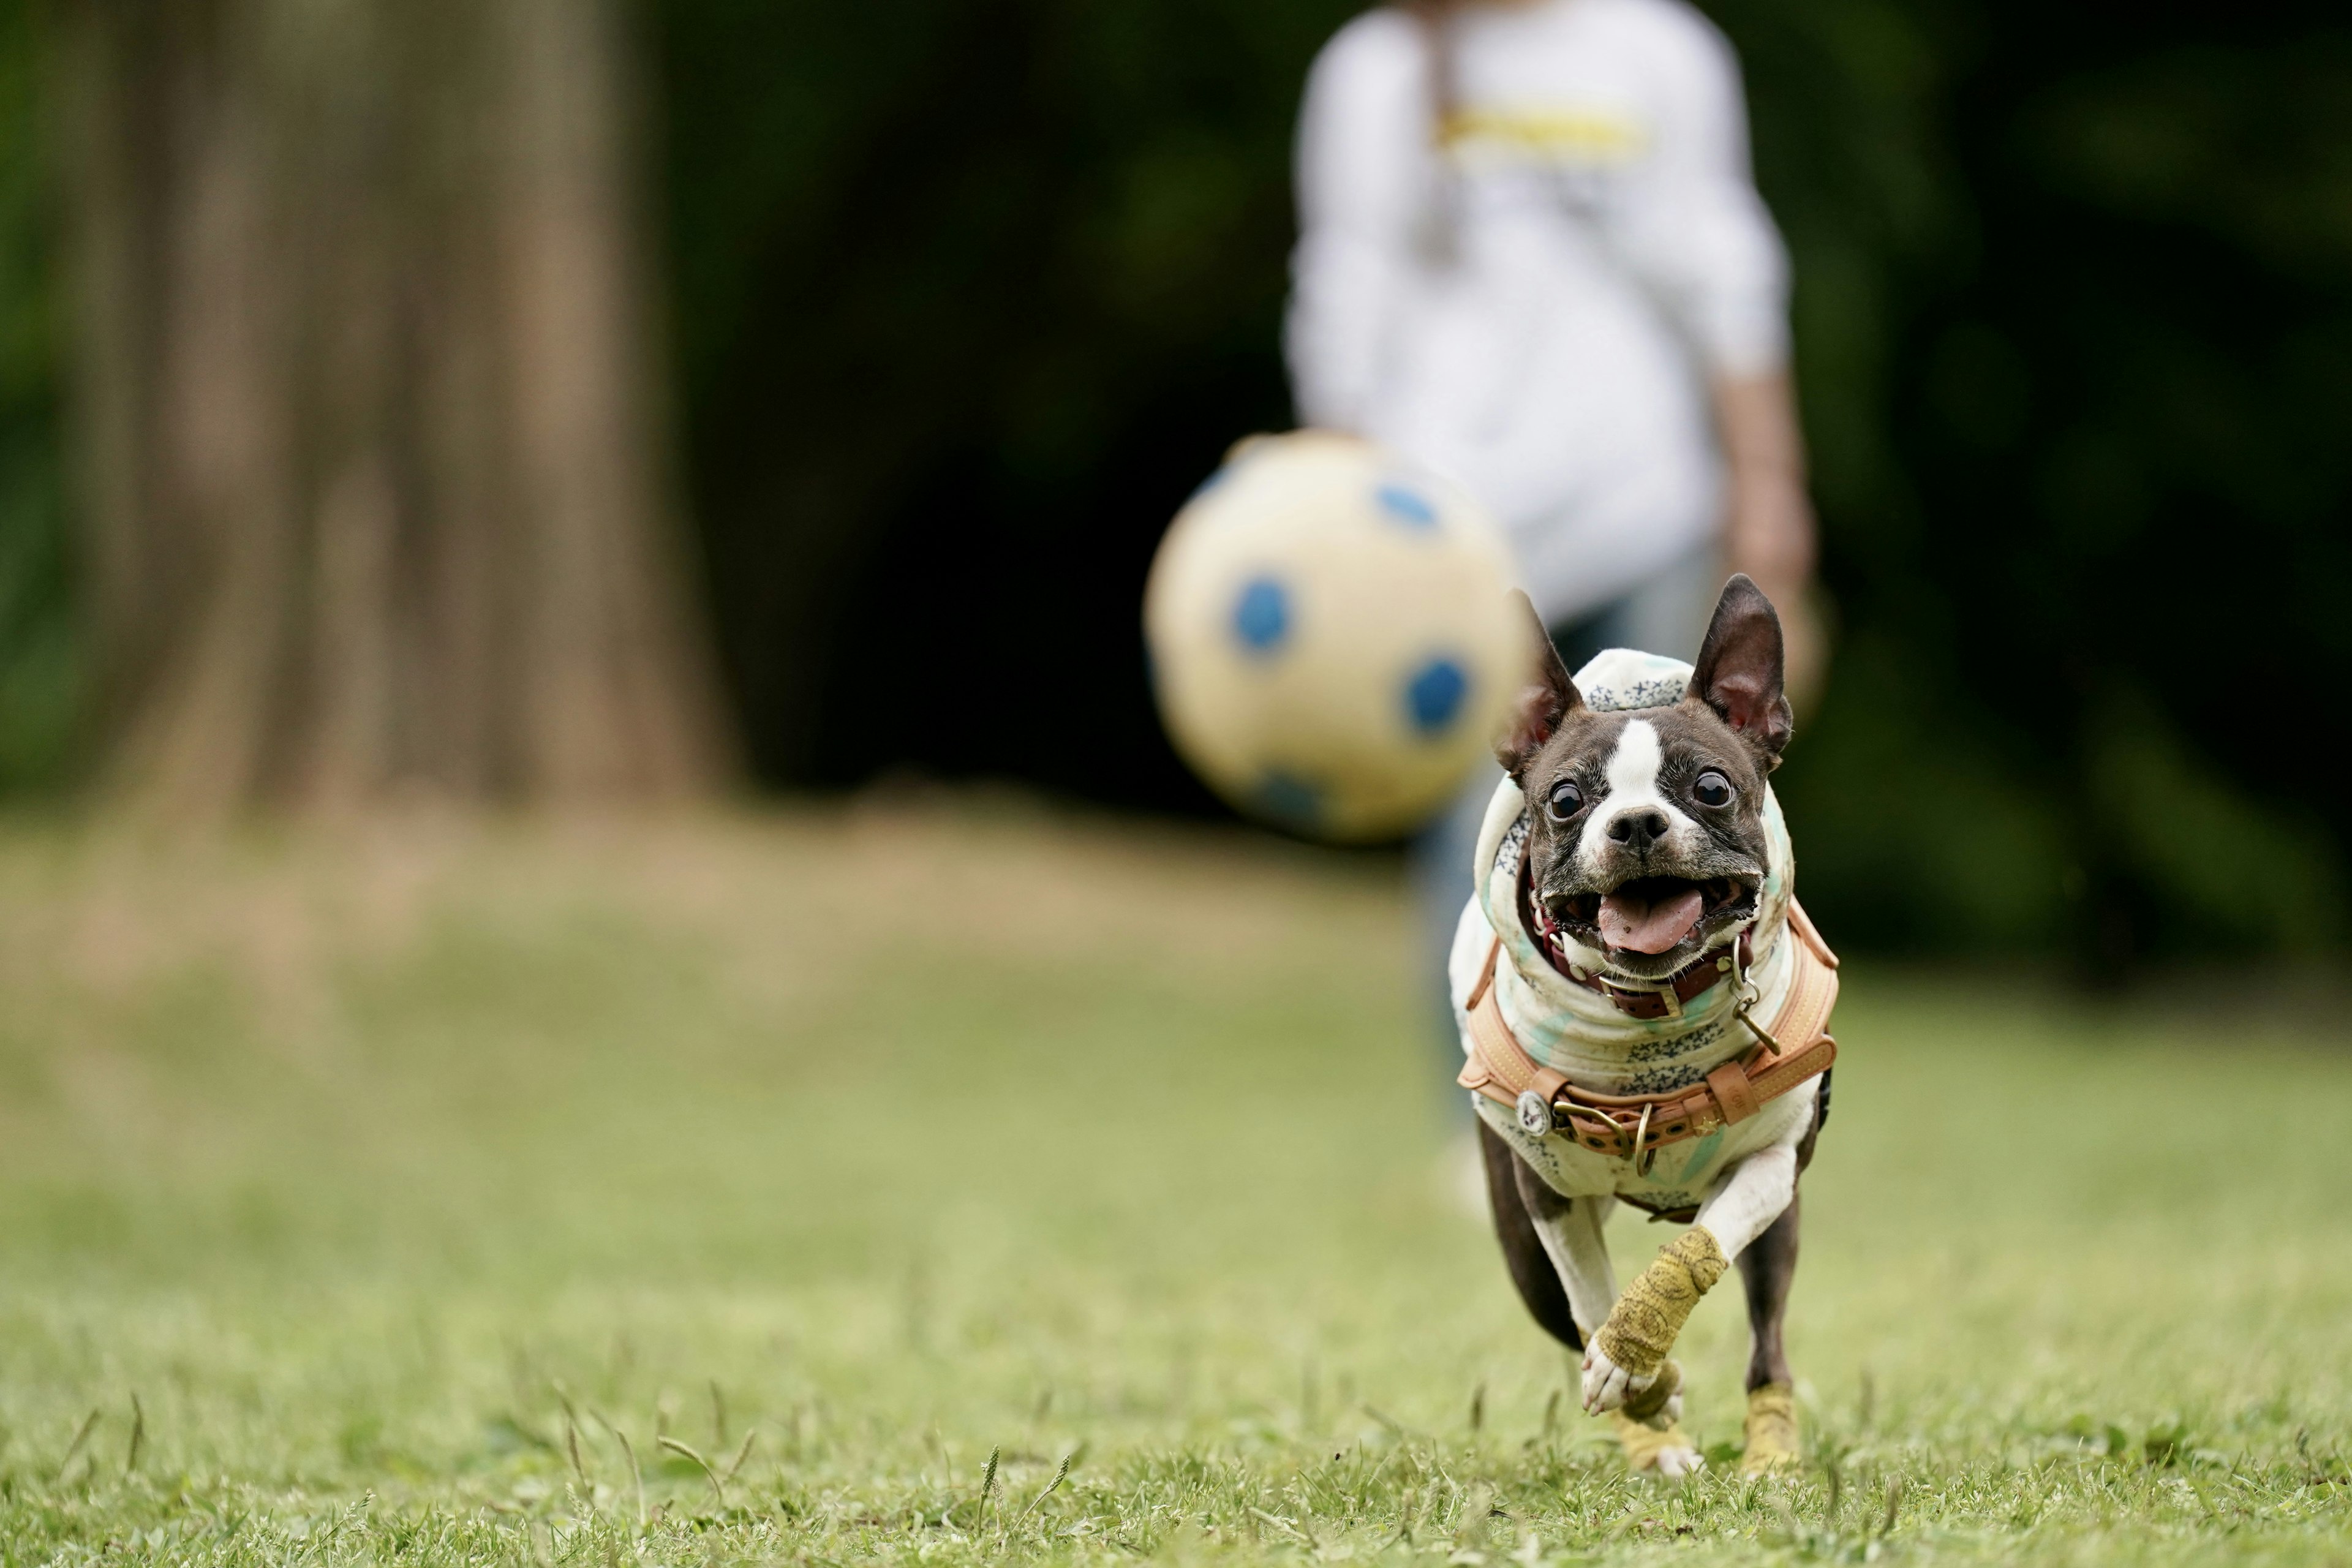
1795 1048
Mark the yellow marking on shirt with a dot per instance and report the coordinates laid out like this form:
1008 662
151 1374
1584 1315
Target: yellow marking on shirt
1566 135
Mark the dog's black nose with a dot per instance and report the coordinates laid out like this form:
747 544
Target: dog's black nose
1638 829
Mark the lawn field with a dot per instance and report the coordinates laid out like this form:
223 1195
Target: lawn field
969 1183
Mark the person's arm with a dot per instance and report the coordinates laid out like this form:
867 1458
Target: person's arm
1707 246
1768 529
1365 174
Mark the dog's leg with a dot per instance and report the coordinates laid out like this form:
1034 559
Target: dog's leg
1625 1352
1552 1244
1767 1268
1526 1252
1574 1265
1569 1231
1649 1427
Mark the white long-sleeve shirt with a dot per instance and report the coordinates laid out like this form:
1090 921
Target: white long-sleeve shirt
1535 302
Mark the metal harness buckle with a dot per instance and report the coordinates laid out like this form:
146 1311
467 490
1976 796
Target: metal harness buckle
1619 992
1642 1161
1745 999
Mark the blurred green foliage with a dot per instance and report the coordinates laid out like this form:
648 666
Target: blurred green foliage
39 669
2091 555
967 294
970 294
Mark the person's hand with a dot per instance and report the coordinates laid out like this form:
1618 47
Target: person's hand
1770 535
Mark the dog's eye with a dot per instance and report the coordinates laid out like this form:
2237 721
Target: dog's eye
1712 789
1567 800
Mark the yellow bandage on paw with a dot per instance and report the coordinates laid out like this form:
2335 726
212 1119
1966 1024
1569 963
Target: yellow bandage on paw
1772 1442
1646 1445
1643 1325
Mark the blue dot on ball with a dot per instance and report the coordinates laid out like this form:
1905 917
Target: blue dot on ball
1262 616
1286 798
1432 698
1406 506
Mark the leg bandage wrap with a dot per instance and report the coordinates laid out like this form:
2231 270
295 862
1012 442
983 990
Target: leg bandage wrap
1773 1440
1643 1325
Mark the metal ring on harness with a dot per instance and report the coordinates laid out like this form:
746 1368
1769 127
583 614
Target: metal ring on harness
1641 1136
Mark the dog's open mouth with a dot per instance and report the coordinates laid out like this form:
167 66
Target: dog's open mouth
1654 914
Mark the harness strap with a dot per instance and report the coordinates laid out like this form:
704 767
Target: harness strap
1499 1067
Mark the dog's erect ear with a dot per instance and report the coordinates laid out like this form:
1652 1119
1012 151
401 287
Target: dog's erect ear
1545 703
1740 668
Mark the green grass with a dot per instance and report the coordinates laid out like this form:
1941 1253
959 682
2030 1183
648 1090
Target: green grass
350 1182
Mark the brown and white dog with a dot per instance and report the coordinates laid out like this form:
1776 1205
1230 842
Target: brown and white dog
1634 928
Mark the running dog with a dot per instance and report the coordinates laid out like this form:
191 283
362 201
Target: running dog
1644 1009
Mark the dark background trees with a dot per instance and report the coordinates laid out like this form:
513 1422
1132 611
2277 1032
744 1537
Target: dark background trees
372 491
971 294
965 295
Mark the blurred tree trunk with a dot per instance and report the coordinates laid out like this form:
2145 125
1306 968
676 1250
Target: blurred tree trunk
374 467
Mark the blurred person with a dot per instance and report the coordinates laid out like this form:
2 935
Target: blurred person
1531 256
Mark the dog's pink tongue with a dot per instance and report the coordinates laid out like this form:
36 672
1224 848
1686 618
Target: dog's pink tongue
1639 926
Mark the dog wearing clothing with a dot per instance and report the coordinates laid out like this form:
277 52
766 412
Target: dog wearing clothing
1644 1011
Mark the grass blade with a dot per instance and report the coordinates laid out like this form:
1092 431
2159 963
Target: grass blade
1283 1525
743 1453
717 1488
1051 1486
572 1446
637 1471
81 1436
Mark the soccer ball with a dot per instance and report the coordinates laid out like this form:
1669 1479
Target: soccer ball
1331 640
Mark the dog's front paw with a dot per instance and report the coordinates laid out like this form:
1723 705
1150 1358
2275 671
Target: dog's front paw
1608 1385
1661 1449
1633 1343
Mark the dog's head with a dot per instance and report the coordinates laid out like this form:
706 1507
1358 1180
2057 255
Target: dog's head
1646 838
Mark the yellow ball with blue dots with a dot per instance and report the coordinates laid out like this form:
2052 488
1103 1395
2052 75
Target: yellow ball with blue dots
1332 646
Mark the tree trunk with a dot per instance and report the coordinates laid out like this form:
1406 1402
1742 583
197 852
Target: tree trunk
374 474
